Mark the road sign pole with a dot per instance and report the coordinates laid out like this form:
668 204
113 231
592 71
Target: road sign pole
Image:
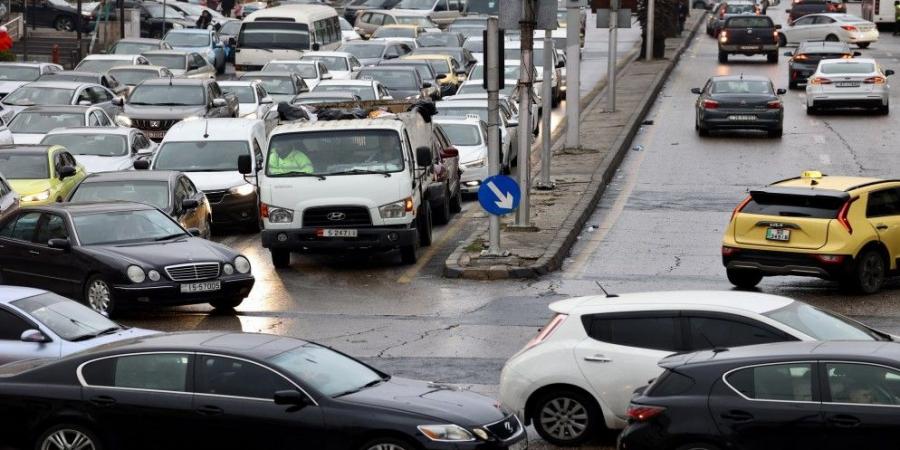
523 214
492 72
611 56
651 6
547 101
573 75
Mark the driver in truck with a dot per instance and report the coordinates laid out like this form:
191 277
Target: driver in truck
289 159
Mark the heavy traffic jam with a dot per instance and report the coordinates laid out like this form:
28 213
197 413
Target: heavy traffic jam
231 150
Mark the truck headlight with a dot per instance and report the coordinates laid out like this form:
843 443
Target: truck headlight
446 433
397 209
241 264
243 190
279 215
123 120
135 274
39 197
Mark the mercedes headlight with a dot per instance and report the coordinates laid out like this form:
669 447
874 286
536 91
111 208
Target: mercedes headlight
280 215
136 274
446 433
153 275
39 197
124 121
241 264
243 190
397 209
228 269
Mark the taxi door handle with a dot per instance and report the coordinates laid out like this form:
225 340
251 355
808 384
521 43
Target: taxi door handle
881 226
598 358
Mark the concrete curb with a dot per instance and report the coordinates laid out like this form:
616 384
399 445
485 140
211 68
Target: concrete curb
566 236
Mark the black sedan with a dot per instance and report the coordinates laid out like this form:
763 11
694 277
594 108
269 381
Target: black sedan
787 396
172 192
805 59
118 255
219 390
739 102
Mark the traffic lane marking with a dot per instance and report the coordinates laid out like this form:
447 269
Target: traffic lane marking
449 232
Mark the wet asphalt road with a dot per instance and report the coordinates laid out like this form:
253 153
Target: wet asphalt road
658 228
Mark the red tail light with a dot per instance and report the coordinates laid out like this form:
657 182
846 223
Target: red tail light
875 80
263 210
643 413
830 259
728 251
848 27
774 104
843 213
548 329
710 104
740 206
819 80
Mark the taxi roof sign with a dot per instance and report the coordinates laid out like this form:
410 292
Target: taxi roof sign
811 174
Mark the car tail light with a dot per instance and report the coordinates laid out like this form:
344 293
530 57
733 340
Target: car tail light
710 104
819 80
774 104
875 80
740 207
775 35
800 57
545 332
850 28
830 259
728 251
643 413
263 210
843 213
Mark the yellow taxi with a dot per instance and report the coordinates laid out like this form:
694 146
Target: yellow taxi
831 227
445 65
41 174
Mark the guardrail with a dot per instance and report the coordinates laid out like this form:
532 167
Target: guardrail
15 27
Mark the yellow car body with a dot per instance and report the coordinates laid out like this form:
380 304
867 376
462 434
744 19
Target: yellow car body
415 29
831 227
55 182
452 80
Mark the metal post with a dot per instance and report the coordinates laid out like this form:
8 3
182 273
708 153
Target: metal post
651 6
121 19
79 23
493 73
573 76
611 56
547 100
523 214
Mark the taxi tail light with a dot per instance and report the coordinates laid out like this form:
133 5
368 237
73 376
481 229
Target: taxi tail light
843 213
875 80
643 413
774 104
819 80
710 104
548 329
728 251
263 210
830 259
740 207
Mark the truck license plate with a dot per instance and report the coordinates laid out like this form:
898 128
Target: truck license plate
205 286
778 234
742 117
329 232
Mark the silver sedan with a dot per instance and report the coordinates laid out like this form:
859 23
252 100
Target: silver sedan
843 83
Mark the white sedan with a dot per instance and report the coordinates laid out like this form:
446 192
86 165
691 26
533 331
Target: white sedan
841 83
576 377
830 27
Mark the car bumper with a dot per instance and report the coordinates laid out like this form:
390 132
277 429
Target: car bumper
850 98
764 120
308 239
750 48
235 210
863 37
470 180
787 263
799 73
169 293
640 436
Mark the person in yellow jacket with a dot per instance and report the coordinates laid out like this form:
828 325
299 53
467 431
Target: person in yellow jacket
285 160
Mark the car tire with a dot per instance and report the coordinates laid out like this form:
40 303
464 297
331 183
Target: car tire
387 444
723 57
98 295
280 258
831 38
744 279
67 433
869 272
227 304
863 45
425 225
63 23
812 110
776 133
559 408
702 131
456 201
409 254
698 446
884 109
782 40
442 215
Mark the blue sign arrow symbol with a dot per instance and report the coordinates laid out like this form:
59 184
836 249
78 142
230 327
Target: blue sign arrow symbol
499 195
505 199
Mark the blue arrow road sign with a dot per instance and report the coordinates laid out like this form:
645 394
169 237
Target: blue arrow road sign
499 195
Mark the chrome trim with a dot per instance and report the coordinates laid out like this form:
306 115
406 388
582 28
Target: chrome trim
195 266
141 288
725 380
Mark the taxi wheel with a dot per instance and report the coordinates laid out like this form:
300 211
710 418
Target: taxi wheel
869 273
744 279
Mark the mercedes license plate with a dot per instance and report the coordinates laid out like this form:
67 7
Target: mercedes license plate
205 286
329 232
521 445
778 234
847 84
156 134
743 117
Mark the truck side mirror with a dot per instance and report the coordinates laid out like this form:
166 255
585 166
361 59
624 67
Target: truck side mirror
423 156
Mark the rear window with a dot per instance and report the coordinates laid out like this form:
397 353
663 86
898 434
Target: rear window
817 207
749 22
851 68
739 9
670 383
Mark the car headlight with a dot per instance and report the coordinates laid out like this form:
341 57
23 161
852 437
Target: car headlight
241 264
177 26
397 209
136 274
228 269
39 197
475 164
480 433
446 433
153 275
243 190
280 215
124 121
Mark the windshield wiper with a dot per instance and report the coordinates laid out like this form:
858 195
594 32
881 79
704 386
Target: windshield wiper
362 171
85 337
300 174
367 385
171 236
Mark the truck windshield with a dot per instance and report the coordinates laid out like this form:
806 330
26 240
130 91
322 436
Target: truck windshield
344 152
274 35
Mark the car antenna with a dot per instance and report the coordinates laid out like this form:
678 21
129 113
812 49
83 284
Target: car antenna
607 294
206 129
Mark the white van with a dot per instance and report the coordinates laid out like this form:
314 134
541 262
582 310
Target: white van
346 185
285 32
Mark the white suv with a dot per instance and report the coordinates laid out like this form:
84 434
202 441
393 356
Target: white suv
577 376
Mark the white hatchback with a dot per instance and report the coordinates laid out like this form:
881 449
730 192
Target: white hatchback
577 376
830 26
843 83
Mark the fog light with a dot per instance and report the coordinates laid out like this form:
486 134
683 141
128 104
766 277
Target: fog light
392 236
282 237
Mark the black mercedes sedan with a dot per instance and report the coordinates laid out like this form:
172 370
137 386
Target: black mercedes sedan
784 396
118 255
223 390
739 102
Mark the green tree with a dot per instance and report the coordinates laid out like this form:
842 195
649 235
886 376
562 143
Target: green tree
665 24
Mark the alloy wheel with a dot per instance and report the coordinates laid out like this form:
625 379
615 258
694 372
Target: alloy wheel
386 446
872 273
99 296
67 439
564 418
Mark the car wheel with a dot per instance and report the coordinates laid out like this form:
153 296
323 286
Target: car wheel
226 304
744 279
456 201
782 40
812 110
442 215
869 273
566 418
280 258
723 57
701 130
772 57
387 444
776 133
831 38
884 109
64 23
698 446
863 45
425 225
409 254
68 436
99 295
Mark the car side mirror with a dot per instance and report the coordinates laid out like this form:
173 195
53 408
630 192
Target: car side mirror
778 26
219 102
424 157
195 232
291 397
66 172
327 76
560 64
118 101
788 53
35 336
266 101
141 164
696 91
888 72
449 152
857 53
440 76
189 203
245 165
426 85
59 244
316 46
781 91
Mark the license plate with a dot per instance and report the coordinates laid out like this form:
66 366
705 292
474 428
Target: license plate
742 117
778 234
749 47
205 286
156 134
521 445
329 232
847 84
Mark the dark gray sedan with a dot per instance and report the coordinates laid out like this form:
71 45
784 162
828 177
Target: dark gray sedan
739 102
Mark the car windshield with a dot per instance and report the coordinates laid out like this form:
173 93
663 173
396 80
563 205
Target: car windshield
462 134
42 122
334 152
18 73
385 32
847 68
739 9
123 227
133 77
28 96
328 372
200 156
474 45
101 65
146 94
177 39
487 7
424 70
415 20
741 87
364 92
132 48
90 144
415 4
245 94
331 62
364 51
230 28
274 35
821 325
391 79
478 88
154 193
275 85
24 166
438 40
439 65
68 319
157 10
171 62
304 70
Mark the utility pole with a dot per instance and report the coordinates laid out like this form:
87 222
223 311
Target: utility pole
523 214
492 75
573 74
611 56
651 6
547 100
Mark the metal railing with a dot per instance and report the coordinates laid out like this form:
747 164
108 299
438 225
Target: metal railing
15 27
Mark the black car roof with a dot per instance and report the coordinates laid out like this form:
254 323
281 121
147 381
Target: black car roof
787 351
133 175
94 207
251 345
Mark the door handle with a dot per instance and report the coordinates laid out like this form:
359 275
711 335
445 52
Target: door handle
881 226
598 359
103 401
844 421
209 410
34 252
737 416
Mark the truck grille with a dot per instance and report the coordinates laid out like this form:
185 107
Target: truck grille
193 272
505 428
153 124
336 216
215 196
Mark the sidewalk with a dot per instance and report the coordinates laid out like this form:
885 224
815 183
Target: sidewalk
581 175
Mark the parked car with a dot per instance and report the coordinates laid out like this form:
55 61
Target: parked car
9 198
15 75
281 86
204 42
136 46
576 377
509 144
131 76
312 72
830 27
37 324
39 173
340 65
183 64
102 149
364 89
805 60
749 35
454 74
426 73
401 82
369 53
57 93
843 83
739 102
34 122
445 188
171 192
102 63
103 79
